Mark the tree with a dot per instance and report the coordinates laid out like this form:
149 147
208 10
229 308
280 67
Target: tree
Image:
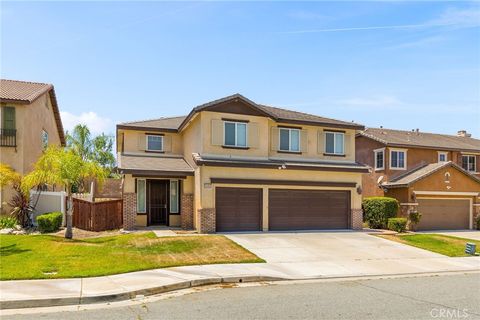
63 167
80 141
20 202
102 151
8 175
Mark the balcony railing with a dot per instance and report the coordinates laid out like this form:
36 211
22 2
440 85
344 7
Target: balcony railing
8 137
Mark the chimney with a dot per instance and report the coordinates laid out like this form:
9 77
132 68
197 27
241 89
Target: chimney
464 133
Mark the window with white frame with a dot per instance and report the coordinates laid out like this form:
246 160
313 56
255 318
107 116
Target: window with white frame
289 139
379 159
173 196
141 195
398 159
468 163
335 143
442 157
235 134
154 142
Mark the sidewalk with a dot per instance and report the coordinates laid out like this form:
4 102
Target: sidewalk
40 293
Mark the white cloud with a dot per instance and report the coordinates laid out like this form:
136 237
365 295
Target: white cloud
95 123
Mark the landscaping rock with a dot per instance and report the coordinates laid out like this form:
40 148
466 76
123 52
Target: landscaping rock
6 231
19 232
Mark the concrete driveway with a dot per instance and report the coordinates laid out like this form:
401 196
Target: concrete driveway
322 246
345 253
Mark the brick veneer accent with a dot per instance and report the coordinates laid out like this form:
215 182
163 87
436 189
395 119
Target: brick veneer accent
357 219
129 210
186 211
206 220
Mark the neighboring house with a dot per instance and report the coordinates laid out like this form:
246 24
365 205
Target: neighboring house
235 165
29 121
435 174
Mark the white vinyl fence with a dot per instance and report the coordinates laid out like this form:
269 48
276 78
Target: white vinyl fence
48 201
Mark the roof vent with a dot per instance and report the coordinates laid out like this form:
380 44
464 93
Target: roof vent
464 133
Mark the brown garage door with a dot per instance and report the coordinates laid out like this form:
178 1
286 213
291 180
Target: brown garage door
238 209
308 209
444 214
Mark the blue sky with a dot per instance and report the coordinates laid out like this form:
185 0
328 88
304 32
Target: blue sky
402 65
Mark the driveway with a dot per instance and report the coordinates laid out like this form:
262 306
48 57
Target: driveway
321 246
344 253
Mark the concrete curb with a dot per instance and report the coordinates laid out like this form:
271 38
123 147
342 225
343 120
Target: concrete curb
54 302
128 295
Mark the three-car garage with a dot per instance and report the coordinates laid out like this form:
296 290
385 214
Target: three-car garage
241 209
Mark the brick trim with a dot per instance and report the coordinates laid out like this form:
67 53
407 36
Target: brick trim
357 219
129 210
186 211
206 220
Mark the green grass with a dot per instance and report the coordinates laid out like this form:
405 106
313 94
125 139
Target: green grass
47 256
446 245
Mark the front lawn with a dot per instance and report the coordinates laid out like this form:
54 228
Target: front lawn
446 245
46 256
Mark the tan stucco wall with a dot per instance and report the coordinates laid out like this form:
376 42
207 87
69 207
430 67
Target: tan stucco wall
30 121
192 139
132 137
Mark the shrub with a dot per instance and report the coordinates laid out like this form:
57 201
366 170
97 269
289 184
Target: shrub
478 222
49 222
414 218
377 211
7 222
397 224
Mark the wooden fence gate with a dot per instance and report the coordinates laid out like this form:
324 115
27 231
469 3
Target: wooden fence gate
97 216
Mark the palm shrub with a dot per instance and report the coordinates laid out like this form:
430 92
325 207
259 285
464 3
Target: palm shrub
22 208
377 211
63 167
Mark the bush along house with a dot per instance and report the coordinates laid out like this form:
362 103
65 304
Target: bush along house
235 165
434 174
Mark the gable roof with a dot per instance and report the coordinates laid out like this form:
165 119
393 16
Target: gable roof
161 124
25 92
407 179
401 138
176 124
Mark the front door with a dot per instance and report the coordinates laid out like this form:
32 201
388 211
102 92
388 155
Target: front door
158 201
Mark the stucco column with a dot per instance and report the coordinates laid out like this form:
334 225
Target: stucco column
265 209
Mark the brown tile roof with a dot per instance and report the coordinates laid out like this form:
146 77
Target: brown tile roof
277 114
319 165
153 165
170 123
24 92
414 175
421 139
281 115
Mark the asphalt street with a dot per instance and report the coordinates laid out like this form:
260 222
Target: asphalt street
427 297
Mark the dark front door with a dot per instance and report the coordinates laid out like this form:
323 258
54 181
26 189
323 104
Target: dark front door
158 201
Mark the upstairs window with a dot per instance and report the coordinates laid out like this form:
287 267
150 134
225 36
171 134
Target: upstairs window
289 140
335 143
468 163
397 159
154 143
442 157
8 119
44 139
379 159
235 134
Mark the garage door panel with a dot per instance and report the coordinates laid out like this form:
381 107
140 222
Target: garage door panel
238 209
444 214
308 209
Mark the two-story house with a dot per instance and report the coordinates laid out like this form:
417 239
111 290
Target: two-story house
434 174
29 121
235 165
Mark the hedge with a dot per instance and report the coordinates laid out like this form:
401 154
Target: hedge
49 222
397 224
377 211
